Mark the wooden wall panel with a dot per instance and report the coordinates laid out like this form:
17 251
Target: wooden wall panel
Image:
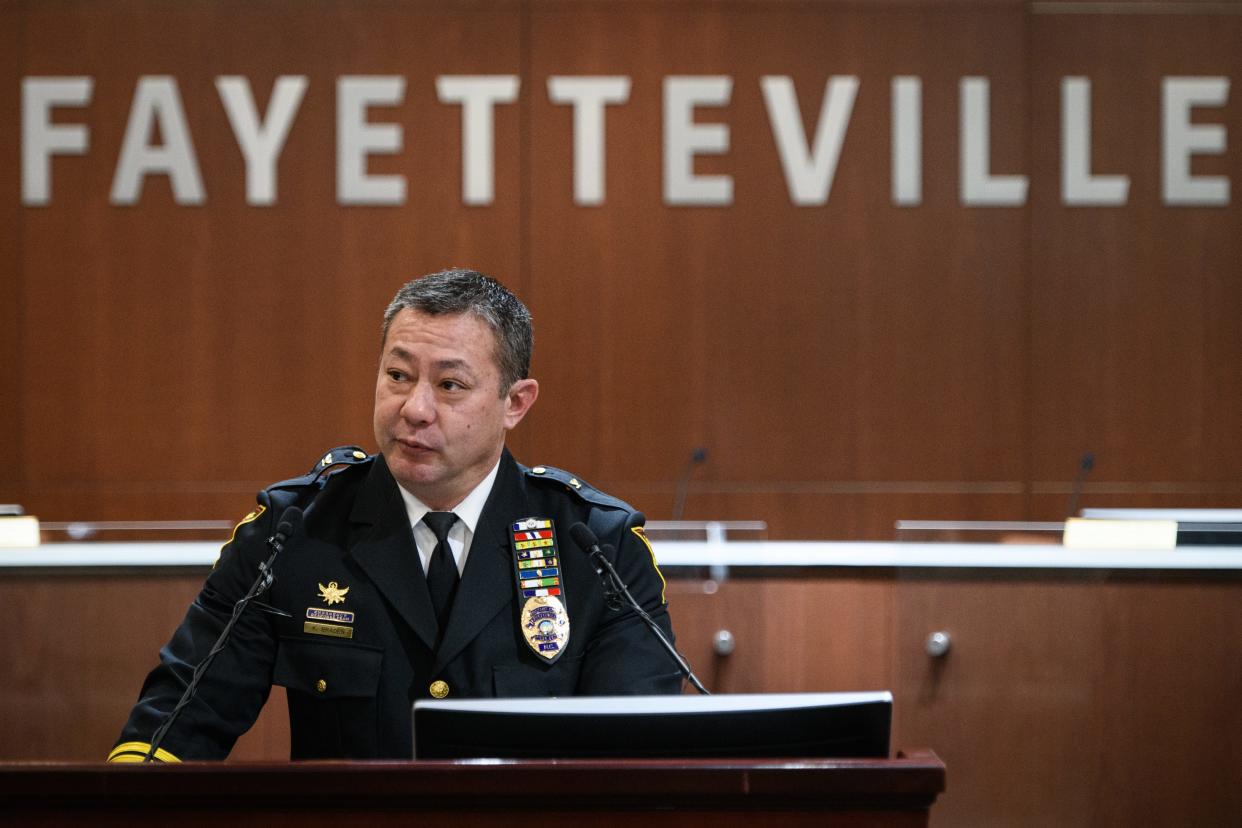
807 345
1067 701
76 650
216 348
1049 639
10 286
790 634
594 289
1134 309
856 348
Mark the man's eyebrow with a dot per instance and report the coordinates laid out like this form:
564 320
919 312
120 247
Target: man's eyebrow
454 365
441 365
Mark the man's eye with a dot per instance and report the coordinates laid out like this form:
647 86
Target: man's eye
395 375
451 385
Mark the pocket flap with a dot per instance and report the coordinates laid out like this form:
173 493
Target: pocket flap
326 669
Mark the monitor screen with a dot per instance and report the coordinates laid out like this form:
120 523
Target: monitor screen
736 726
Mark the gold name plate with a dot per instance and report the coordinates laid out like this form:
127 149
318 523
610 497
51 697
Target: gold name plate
335 630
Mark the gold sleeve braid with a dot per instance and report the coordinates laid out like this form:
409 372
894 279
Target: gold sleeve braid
137 752
642 536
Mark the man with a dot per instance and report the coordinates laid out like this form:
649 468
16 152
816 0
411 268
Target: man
439 567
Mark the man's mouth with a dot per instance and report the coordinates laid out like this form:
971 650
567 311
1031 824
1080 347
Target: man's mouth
413 446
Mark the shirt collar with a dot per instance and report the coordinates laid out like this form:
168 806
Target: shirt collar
468 511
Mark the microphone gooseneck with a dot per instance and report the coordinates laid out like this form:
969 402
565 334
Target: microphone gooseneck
1085 465
587 541
615 589
697 456
289 524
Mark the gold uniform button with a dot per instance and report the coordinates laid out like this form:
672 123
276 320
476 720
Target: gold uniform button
573 481
321 686
360 455
439 689
539 470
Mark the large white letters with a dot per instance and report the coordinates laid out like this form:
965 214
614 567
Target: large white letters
683 139
1183 139
157 101
41 139
356 139
1078 186
588 96
907 139
979 188
157 138
809 173
261 143
478 96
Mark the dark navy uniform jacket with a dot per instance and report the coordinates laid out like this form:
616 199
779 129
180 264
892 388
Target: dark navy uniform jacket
351 697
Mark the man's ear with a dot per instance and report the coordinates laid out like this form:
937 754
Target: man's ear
520 397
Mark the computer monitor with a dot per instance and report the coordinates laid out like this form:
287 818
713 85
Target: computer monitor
736 726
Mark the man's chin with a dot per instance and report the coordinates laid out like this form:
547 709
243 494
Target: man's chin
410 472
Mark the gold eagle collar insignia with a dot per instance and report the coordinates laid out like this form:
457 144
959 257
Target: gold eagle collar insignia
332 594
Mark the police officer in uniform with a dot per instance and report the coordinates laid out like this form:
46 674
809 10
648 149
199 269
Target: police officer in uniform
439 567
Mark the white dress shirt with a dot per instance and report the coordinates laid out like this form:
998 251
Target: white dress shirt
462 532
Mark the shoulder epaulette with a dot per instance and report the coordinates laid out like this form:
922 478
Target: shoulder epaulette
579 487
342 456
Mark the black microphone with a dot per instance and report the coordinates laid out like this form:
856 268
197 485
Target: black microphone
614 587
289 524
587 541
697 456
1085 465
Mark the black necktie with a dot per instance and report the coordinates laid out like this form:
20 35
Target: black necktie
441 569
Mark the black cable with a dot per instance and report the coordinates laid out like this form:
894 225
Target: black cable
618 587
289 520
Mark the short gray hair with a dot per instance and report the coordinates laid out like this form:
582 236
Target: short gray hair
458 290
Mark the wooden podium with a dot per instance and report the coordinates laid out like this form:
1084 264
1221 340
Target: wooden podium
720 793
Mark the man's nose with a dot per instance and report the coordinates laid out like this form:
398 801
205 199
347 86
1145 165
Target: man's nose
419 406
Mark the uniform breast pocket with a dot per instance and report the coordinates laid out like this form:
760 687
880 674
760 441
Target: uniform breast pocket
333 710
522 680
327 670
